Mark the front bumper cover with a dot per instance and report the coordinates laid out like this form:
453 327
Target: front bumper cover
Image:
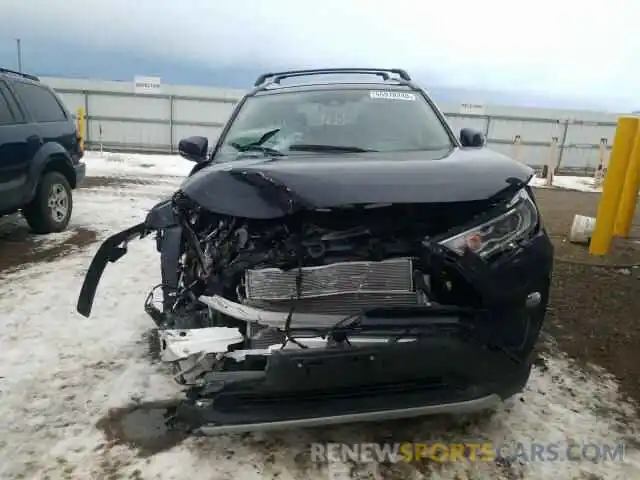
300 388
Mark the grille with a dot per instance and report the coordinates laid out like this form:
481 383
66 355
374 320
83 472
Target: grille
386 277
437 386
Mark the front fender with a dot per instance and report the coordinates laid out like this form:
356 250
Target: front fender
161 216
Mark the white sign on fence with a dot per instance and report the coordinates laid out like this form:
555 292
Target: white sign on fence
147 85
471 109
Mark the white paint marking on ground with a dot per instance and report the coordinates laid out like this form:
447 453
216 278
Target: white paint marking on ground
60 373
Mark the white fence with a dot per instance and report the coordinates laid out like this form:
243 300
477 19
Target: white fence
121 119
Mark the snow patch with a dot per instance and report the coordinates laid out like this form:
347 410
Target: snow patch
582 184
128 164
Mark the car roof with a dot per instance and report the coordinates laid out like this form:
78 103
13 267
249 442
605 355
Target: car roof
6 73
315 86
325 79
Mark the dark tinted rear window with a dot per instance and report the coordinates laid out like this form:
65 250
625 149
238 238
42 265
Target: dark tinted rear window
40 102
6 116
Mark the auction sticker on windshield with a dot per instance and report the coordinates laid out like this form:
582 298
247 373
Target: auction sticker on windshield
393 95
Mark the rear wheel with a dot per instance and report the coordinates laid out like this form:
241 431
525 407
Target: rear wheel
50 210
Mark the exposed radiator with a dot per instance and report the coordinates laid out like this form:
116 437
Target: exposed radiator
340 288
339 304
387 276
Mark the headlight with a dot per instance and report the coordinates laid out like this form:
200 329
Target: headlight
503 231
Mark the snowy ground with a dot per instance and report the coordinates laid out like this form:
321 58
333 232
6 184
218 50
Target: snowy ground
582 184
122 164
60 373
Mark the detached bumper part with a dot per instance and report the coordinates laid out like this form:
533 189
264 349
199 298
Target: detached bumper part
180 344
443 374
111 250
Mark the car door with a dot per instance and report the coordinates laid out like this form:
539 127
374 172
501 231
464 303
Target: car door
14 151
54 122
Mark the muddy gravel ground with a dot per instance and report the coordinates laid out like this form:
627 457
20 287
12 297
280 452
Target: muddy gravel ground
595 302
19 247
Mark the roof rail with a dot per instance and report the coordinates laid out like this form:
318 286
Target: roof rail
381 72
19 74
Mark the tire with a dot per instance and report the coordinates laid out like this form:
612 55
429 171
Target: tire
43 218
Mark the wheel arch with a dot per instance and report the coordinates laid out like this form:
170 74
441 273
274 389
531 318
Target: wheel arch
58 163
51 157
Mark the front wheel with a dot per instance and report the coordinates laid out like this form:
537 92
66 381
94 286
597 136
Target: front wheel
50 210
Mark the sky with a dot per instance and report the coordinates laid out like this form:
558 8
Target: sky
559 48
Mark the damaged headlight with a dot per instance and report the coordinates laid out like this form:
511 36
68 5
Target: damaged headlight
517 223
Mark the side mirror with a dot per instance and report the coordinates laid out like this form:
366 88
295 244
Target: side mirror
194 148
471 138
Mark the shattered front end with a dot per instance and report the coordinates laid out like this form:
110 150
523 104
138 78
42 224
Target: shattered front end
345 313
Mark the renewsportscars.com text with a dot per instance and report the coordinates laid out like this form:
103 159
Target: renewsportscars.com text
474 452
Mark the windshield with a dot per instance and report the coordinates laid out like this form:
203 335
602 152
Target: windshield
348 120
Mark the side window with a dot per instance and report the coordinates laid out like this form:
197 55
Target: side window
40 102
6 115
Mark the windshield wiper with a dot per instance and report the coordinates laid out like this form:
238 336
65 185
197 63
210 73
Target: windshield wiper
258 146
309 147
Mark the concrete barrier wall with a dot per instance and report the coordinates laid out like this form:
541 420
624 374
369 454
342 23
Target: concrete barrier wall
120 119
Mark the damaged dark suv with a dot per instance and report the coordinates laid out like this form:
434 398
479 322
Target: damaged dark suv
341 256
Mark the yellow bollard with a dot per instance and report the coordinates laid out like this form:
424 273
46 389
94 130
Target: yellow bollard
629 196
613 183
81 126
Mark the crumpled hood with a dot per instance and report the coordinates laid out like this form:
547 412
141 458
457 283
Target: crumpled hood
271 188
